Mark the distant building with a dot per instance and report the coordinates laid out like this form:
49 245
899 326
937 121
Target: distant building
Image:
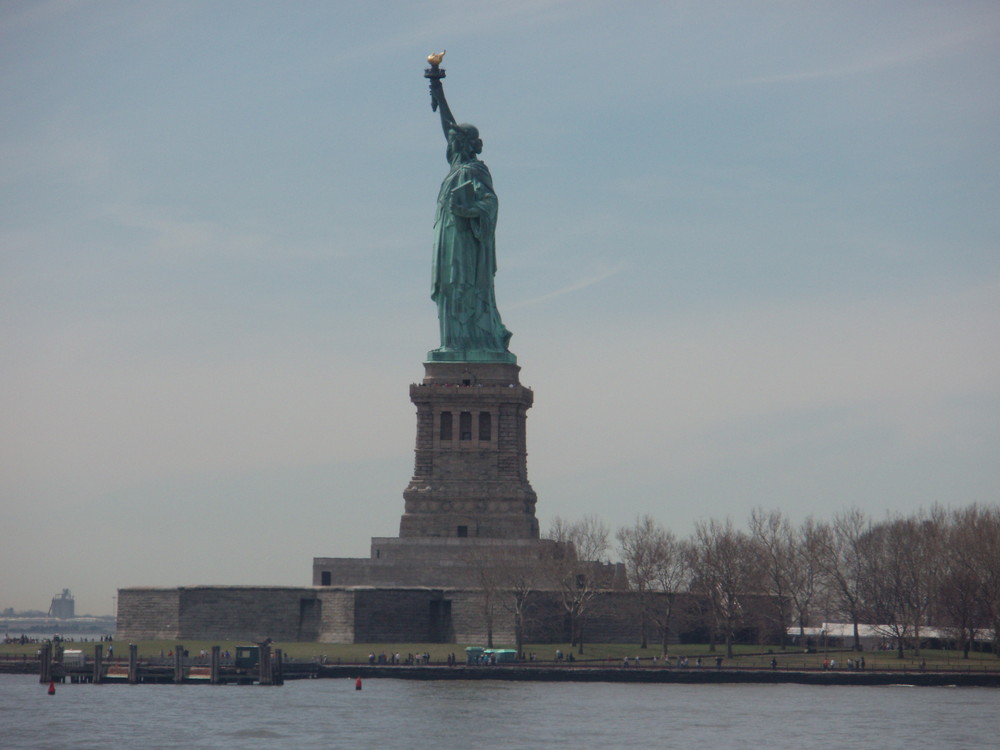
875 637
63 605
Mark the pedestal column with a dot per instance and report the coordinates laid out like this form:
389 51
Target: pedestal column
470 470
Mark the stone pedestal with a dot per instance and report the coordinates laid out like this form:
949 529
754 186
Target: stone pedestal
470 475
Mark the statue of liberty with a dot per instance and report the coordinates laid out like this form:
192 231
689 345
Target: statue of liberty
464 245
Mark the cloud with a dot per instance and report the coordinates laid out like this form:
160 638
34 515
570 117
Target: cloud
596 277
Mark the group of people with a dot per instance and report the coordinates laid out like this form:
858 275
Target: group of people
24 639
396 658
21 640
682 661
852 664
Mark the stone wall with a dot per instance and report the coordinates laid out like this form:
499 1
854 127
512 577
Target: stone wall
250 613
613 617
337 621
148 614
247 613
469 623
253 613
394 616
431 562
362 615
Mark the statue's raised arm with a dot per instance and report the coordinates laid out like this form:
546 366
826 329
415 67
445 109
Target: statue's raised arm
435 74
441 105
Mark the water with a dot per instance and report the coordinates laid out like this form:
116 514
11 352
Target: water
398 714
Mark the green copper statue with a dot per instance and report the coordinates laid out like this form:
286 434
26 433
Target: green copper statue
464 246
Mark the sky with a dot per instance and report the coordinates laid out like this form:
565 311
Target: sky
749 252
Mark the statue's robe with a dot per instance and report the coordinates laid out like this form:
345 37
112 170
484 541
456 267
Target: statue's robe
465 263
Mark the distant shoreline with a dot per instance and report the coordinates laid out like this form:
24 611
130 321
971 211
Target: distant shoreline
85 625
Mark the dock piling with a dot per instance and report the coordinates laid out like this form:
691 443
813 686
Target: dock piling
133 664
179 664
216 663
45 663
278 668
98 677
265 676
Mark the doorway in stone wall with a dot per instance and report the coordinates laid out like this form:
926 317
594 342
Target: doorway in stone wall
440 629
309 619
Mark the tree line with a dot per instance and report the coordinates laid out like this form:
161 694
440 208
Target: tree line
903 574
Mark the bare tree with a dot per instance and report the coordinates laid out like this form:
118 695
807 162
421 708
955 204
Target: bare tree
516 598
987 561
637 548
509 575
670 576
959 595
582 545
904 567
520 578
774 545
656 566
724 573
843 563
807 578
884 585
482 559
924 557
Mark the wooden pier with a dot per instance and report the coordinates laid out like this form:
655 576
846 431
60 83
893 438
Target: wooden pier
271 669
260 665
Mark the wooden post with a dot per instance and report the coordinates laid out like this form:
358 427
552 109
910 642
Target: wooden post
57 673
216 663
279 667
133 664
45 663
265 677
98 663
179 663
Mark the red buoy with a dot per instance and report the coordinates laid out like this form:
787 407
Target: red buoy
357 684
52 688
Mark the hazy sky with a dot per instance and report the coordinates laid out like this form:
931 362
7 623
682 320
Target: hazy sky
749 251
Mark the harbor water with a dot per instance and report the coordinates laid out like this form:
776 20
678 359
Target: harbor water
390 714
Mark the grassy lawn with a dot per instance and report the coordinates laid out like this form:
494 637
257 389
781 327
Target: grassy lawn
602 653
